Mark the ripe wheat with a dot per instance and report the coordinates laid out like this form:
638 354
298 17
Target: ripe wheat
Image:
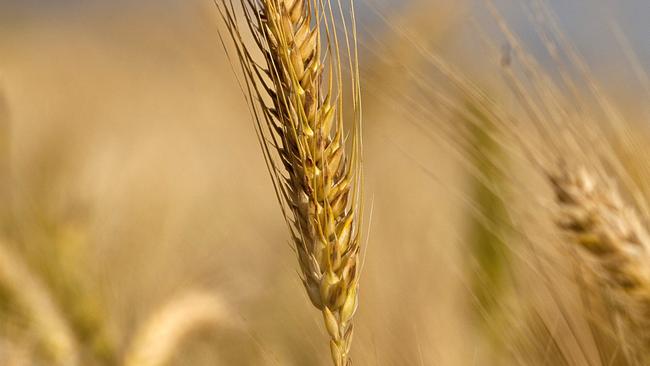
596 219
296 97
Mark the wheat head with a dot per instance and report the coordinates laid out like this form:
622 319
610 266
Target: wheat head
34 300
596 218
159 338
296 94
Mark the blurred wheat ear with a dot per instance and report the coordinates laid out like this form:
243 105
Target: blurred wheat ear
33 301
19 285
159 338
296 97
595 217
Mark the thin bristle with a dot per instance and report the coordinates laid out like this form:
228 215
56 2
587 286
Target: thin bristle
296 99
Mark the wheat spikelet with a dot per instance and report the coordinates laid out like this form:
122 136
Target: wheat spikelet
33 299
595 217
296 97
159 338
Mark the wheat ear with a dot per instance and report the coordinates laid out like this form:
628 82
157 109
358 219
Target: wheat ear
161 335
296 99
595 217
31 297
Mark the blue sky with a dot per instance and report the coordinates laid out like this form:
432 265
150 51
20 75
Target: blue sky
585 21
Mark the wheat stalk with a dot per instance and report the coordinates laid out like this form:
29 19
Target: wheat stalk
158 339
296 98
595 217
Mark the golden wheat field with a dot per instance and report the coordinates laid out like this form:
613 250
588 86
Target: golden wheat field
324 182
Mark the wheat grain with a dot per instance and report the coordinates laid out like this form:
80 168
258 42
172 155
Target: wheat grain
297 103
595 217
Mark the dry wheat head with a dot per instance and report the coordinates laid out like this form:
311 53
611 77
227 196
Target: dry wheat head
296 97
595 217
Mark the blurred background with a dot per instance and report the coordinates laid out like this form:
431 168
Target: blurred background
132 181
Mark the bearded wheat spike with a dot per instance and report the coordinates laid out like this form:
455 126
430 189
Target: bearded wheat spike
296 100
595 217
